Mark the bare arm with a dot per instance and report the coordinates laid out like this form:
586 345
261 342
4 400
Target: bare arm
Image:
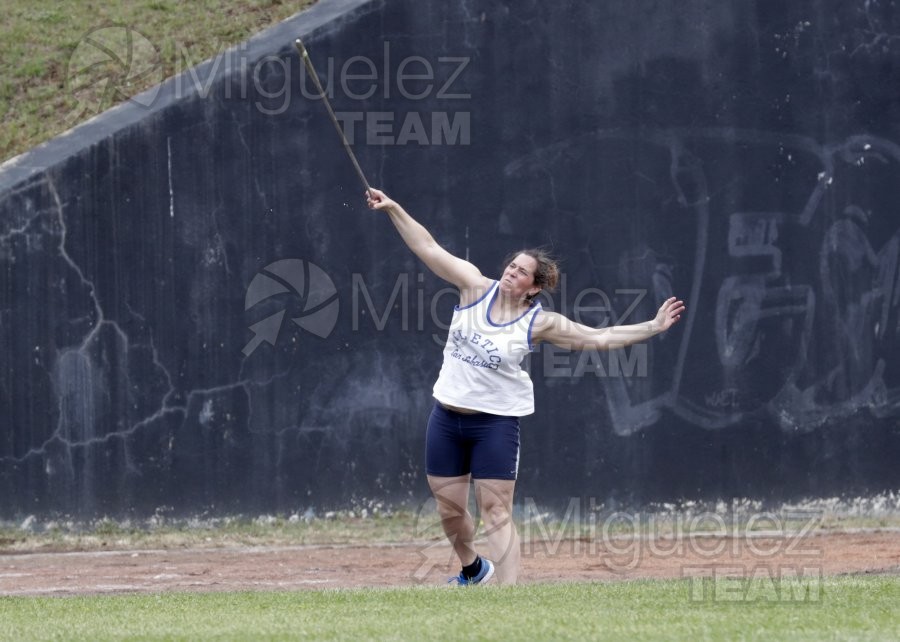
565 333
460 273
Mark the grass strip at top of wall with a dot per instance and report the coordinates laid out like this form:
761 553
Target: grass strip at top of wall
56 55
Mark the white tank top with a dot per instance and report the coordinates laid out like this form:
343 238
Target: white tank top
482 361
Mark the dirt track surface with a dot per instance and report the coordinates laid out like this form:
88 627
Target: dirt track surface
428 563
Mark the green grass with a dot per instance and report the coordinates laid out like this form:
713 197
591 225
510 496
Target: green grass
346 527
373 524
38 38
845 608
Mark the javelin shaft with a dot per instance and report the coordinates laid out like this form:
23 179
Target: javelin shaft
304 55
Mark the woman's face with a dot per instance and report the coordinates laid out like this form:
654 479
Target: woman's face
518 277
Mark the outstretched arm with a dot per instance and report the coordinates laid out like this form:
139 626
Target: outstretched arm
460 273
567 334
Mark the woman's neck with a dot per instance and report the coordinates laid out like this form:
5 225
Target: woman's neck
508 306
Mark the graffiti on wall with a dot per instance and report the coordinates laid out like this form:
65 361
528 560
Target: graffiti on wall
791 278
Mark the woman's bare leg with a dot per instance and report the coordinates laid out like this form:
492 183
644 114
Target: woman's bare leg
495 500
452 497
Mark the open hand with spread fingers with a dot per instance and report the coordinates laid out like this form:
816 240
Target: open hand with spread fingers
669 314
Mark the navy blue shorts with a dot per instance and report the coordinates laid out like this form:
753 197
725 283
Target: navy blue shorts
487 446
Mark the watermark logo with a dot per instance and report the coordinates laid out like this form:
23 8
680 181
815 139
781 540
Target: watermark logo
414 79
109 65
735 556
409 308
114 63
291 280
784 582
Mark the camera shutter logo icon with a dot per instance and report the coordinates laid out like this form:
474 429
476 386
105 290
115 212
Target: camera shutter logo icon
307 282
111 64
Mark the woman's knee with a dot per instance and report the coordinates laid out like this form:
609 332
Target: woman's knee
496 517
451 496
495 500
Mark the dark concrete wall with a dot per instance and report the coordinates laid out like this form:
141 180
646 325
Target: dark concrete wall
743 155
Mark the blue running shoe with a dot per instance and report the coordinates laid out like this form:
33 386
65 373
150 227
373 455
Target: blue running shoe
486 573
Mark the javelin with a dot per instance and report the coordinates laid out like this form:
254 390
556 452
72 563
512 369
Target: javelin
304 55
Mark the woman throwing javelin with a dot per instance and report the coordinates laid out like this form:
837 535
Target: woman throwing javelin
473 429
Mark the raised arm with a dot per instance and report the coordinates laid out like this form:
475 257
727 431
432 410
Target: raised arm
565 333
460 273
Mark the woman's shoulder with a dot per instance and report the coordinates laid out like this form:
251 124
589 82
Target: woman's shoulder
476 293
545 321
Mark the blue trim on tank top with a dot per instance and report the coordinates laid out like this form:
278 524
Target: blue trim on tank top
503 325
480 299
537 308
